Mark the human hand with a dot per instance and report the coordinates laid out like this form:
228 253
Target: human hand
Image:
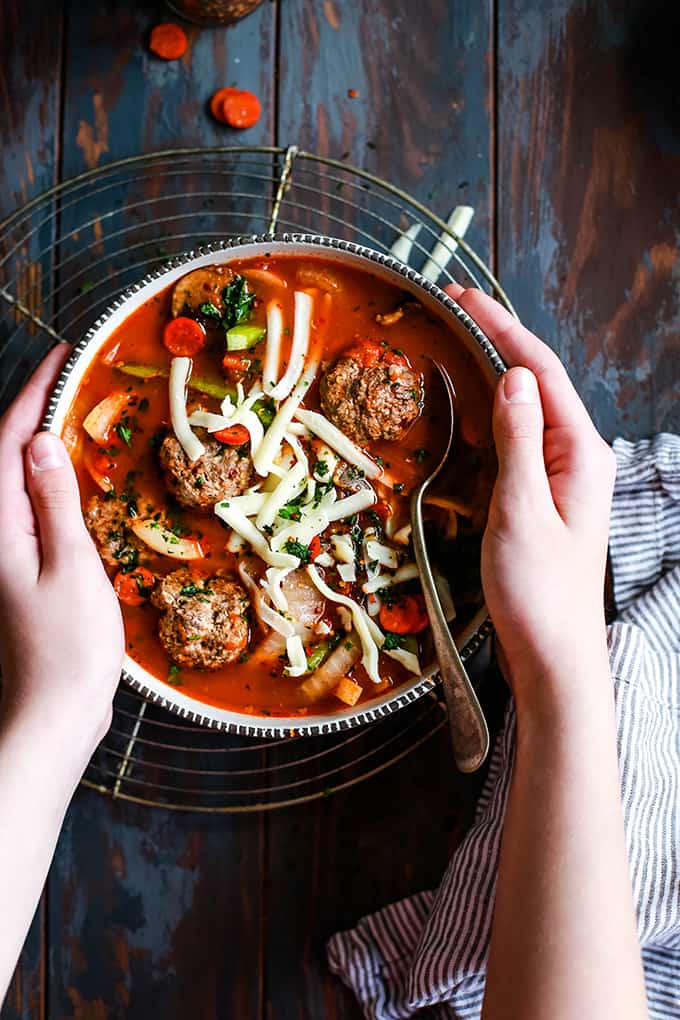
61 633
545 546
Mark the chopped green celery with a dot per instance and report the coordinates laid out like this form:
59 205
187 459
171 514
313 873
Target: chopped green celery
317 655
242 337
142 371
265 410
211 387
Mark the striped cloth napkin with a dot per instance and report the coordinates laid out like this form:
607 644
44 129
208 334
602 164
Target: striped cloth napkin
426 956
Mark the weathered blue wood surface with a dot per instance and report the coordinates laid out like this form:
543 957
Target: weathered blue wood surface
552 123
589 163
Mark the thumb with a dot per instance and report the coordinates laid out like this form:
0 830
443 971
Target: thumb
53 489
518 433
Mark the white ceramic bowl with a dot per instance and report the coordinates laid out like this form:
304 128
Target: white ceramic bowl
344 252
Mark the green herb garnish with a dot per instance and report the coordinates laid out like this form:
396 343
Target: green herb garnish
174 677
237 302
124 431
299 549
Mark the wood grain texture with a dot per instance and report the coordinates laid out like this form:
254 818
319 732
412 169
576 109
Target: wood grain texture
587 190
154 913
422 114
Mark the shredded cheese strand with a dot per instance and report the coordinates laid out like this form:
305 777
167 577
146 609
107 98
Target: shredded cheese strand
272 355
369 634
180 373
304 306
338 441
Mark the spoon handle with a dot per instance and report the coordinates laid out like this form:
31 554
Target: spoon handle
469 732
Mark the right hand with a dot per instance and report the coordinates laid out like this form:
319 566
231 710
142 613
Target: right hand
545 546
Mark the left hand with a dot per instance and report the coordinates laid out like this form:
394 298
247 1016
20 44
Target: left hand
61 633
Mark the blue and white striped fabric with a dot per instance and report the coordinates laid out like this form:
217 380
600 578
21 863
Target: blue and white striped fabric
425 957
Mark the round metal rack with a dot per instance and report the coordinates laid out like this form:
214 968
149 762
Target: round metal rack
63 257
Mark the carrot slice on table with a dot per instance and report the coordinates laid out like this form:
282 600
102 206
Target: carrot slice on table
168 41
405 616
183 336
216 103
133 588
235 107
234 435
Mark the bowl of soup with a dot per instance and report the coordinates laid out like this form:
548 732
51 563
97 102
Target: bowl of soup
247 425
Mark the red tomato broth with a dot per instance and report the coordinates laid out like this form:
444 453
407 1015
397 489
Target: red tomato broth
355 303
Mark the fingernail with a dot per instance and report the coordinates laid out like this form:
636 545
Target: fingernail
520 387
47 452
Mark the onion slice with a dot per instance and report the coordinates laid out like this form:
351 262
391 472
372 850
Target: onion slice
180 372
268 616
165 542
406 658
101 419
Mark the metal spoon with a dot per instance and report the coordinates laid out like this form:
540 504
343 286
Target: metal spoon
469 732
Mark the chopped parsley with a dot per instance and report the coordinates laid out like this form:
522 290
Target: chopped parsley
391 641
143 589
128 558
237 301
174 676
289 512
124 431
210 310
299 549
321 468
398 487
420 455
264 409
143 404
189 590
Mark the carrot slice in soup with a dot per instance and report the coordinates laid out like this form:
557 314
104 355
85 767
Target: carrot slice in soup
183 337
405 616
133 588
234 435
168 41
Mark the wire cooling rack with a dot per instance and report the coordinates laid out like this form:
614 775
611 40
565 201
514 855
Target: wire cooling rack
63 258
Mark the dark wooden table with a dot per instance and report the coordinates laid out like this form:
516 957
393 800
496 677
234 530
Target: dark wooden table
562 129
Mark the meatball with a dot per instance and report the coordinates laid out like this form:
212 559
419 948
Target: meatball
108 522
202 286
371 393
205 620
222 471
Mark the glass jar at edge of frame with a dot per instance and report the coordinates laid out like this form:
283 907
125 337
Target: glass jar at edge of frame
213 12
